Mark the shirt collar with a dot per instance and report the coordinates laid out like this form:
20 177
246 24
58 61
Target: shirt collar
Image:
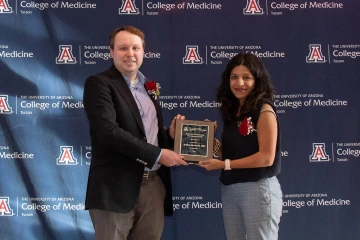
140 76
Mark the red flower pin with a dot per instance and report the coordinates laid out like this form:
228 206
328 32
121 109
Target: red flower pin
246 126
153 88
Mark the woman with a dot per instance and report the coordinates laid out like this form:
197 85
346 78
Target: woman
250 145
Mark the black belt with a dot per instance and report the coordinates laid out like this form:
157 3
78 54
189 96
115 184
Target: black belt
150 174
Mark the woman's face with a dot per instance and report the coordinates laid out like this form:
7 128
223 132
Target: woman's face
242 82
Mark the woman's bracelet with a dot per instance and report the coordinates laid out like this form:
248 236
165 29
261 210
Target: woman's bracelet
227 164
217 146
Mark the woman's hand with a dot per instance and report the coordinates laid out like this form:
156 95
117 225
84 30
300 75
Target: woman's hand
215 124
212 164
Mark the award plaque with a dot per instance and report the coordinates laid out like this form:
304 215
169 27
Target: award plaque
194 139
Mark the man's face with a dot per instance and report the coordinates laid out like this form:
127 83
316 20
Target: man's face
128 53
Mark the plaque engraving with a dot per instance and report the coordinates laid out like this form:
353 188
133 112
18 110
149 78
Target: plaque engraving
194 139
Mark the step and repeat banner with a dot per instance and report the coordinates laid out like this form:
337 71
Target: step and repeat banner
310 48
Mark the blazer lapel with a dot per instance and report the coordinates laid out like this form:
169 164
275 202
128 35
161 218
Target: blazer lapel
125 92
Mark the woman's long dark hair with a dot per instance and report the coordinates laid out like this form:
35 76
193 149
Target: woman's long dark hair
263 87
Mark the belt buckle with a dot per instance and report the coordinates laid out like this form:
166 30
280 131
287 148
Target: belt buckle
146 175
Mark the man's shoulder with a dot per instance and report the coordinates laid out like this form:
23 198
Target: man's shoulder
104 74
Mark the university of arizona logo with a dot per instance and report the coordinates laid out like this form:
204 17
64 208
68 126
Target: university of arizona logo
4 105
128 7
318 153
66 156
315 54
65 55
192 55
5 7
5 210
253 8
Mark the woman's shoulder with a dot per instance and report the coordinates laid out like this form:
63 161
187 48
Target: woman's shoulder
265 101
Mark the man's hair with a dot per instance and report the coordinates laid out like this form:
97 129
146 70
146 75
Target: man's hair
129 29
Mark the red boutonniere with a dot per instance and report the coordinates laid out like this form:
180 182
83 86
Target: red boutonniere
246 127
153 88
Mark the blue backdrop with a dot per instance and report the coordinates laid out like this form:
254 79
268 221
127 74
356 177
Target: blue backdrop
49 48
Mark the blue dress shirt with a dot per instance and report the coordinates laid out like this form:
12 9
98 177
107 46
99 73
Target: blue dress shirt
147 112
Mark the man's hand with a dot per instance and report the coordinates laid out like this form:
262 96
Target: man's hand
169 158
172 126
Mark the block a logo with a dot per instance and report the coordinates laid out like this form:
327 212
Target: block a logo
4 105
5 210
65 55
5 7
319 154
192 55
253 8
66 156
128 7
315 54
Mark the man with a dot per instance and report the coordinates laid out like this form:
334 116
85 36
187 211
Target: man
129 185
